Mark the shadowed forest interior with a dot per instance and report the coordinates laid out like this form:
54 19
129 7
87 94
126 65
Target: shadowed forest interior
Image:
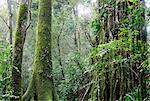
74 50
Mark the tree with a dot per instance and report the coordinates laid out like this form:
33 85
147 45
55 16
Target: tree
119 59
18 50
10 20
41 87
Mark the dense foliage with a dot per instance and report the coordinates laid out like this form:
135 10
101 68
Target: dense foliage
102 55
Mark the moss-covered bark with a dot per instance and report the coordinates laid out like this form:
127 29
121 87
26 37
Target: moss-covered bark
18 51
41 86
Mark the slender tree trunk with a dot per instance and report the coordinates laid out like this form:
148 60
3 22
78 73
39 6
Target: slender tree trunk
10 20
59 50
18 50
41 86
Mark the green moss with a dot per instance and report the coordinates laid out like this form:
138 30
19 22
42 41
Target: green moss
42 68
18 50
43 64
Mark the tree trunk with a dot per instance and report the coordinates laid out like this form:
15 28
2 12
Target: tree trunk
10 20
18 50
41 87
116 82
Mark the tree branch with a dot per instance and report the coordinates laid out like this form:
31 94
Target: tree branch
5 22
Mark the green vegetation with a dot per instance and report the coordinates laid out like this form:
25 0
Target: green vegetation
75 50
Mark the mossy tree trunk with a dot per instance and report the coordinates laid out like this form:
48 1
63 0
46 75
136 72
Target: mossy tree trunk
18 50
125 75
41 86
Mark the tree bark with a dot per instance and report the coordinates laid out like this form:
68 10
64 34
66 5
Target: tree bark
10 20
18 50
41 87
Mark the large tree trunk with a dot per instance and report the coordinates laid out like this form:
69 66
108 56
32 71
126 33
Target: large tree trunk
41 87
116 83
18 50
